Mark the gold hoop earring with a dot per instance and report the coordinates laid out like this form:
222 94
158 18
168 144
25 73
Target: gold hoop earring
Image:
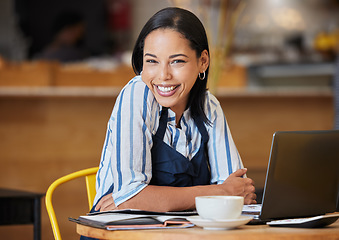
203 76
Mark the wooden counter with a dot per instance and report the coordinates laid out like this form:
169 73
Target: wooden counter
253 114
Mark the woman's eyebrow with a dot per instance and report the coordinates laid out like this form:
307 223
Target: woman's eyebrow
178 55
172 56
150 55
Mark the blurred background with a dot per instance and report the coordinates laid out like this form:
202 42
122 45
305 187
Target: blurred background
62 63
265 30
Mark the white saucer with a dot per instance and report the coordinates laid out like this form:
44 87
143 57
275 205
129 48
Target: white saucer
221 224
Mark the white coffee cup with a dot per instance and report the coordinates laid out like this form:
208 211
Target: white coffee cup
219 207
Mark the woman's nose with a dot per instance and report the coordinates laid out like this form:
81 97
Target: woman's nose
165 72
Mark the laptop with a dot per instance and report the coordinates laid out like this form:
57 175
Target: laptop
302 178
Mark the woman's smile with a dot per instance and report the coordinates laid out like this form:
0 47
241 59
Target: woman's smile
166 91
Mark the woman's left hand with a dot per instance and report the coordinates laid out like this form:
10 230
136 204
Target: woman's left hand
238 185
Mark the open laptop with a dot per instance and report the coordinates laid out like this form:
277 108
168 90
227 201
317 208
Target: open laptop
302 178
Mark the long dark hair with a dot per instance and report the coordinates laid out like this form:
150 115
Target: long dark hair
186 23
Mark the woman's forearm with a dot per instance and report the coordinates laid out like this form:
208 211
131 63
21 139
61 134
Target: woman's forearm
164 199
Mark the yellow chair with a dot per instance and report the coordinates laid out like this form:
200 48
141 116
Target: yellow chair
89 175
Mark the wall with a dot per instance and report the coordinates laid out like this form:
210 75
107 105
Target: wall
142 11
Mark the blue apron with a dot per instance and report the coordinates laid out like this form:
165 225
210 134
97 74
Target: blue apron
171 168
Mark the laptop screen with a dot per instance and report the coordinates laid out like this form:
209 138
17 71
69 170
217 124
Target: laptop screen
303 175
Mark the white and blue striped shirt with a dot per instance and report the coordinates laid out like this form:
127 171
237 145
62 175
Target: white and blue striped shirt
126 155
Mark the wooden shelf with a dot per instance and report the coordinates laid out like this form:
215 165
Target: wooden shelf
275 92
59 91
110 91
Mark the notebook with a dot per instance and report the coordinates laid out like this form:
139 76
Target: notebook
302 178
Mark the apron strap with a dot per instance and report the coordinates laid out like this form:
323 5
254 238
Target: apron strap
162 123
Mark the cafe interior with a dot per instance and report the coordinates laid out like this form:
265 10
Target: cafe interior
273 68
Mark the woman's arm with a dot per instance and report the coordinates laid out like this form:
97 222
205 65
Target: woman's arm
163 199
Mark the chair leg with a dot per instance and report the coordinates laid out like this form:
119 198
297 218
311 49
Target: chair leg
37 219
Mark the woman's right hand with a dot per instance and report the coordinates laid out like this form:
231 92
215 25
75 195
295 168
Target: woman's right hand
238 185
106 203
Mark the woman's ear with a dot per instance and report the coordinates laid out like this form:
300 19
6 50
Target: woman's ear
204 61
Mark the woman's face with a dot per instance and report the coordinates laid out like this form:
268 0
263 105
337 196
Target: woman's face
171 67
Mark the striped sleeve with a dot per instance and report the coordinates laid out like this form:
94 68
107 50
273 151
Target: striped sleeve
126 159
223 154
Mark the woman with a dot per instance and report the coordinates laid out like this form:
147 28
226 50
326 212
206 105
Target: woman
167 139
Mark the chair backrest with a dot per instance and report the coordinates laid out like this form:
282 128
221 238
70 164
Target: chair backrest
89 175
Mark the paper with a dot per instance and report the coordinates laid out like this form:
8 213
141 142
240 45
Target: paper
143 212
254 208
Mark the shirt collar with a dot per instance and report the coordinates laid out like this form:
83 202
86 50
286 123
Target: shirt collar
171 116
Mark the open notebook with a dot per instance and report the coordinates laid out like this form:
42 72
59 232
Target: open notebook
132 219
302 178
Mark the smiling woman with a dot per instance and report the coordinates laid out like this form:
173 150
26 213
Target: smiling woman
168 140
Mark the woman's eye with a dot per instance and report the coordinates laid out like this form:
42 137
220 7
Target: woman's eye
178 61
151 61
